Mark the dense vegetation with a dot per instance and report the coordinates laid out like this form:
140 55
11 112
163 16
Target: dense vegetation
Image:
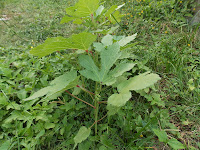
159 106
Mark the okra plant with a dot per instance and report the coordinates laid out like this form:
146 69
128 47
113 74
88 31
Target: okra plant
98 57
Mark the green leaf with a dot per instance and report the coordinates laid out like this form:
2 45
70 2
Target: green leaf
91 70
162 135
71 10
62 130
138 82
5 145
120 99
82 135
112 29
98 46
41 133
110 10
41 116
99 10
157 100
49 125
14 115
109 81
17 115
13 105
76 91
67 19
3 100
86 145
86 7
102 148
108 57
81 9
127 39
128 46
107 40
116 16
22 94
175 144
121 68
106 141
119 80
78 21
112 109
63 82
81 41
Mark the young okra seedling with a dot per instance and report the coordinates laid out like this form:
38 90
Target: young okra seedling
102 61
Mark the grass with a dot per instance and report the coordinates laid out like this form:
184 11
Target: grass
33 21
167 44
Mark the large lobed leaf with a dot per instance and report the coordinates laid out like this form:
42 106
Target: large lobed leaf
81 41
138 82
81 9
86 7
63 82
108 57
117 72
135 83
91 70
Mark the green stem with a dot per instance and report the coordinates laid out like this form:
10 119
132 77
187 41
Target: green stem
96 115
97 92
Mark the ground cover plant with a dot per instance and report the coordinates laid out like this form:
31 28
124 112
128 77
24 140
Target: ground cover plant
94 89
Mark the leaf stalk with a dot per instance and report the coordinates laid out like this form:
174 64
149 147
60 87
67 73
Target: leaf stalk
80 99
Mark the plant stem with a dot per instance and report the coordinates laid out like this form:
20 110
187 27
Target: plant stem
102 102
84 89
97 92
98 121
96 115
80 99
